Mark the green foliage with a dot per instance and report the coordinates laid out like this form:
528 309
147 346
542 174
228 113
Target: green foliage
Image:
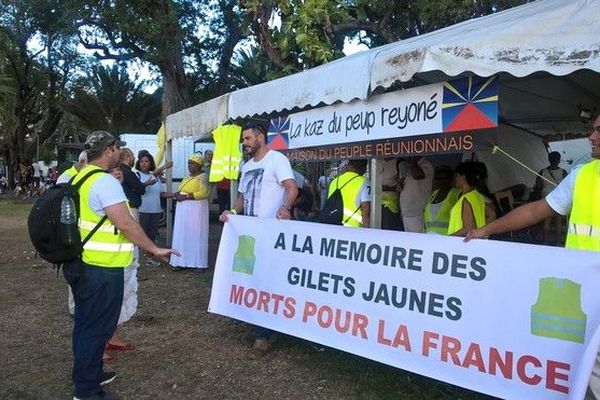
107 99
313 32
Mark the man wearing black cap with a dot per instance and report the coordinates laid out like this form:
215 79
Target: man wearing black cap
96 278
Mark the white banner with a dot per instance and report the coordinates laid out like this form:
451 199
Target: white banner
463 104
511 320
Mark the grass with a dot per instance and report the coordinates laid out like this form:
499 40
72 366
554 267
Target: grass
371 379
14 208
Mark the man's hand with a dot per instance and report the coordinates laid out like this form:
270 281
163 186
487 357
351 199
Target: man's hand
284 213
164 254
224 217
480 233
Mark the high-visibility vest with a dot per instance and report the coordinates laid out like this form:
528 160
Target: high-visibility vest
227 154
477 202
71 171
391 201
557 312
350 184
584 223
108 247
439 225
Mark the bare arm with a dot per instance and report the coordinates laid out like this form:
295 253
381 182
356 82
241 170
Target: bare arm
520 217
468 219
162 168
365 209
122 220
291 192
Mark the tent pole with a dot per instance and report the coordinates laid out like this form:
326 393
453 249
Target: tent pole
169 157
376 169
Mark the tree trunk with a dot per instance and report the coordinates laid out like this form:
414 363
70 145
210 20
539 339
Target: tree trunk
176 96
232 38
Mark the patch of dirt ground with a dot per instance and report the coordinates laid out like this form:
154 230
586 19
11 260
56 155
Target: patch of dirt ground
183 352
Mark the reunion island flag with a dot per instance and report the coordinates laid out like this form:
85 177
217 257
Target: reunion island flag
470 104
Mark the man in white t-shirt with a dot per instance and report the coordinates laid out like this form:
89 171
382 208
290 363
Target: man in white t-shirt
416 177
560 201
96 278
267 189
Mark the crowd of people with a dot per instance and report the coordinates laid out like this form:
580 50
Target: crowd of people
416 197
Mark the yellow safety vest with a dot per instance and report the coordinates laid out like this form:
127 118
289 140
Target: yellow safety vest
71 171
584 223
477 202
557 312
108 247
227 154
439 225
350 184
391 201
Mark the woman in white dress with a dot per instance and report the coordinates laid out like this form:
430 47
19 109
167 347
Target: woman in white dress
190 231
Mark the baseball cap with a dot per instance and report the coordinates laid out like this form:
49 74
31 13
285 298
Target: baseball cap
98 141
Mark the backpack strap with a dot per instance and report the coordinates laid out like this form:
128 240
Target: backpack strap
82 180
340 188
76 187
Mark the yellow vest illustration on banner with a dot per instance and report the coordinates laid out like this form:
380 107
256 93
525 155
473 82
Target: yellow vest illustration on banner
244 258
557 313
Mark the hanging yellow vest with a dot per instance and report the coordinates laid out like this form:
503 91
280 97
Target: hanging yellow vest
557 312
477 202
227 154
439 225
584 223
391 201
108 247
350 184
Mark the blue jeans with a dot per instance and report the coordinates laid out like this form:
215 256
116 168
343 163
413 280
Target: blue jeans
98 294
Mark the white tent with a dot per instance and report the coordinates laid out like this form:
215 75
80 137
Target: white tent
546 55
539 41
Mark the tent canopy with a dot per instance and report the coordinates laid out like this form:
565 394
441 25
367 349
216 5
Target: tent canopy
532 47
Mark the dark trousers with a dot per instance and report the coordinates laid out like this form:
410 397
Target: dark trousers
98 294
149 223
224 200
390 220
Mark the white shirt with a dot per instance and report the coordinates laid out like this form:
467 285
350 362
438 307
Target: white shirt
261 186
389 173
561 198
151 198
415 193
36 170
364 195
105 192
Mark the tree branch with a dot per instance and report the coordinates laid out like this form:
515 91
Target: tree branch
261 16
106 54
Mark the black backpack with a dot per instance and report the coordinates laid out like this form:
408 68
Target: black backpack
45 229
333 209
